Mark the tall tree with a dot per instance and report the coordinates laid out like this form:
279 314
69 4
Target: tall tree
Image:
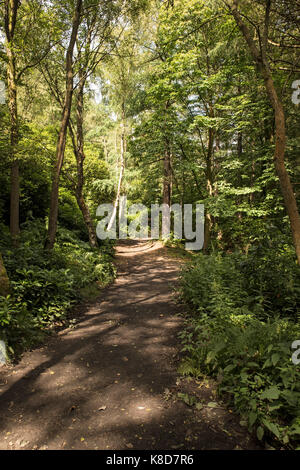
10 20
61 142
97 28
94 42
120 76
260 54
121 167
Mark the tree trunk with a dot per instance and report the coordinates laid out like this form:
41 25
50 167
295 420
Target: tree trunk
208 223
4 281
239 155
167 180
11 11
167 190
284 178
122 169
61 142
87 220
77 187
80 157
260 58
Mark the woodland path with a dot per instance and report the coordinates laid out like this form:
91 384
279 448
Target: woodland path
109 382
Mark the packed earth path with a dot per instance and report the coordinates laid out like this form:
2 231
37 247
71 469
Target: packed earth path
111 381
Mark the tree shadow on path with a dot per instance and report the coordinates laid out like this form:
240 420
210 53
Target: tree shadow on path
102 385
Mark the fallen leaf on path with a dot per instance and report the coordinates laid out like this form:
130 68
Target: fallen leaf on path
102 408
24 443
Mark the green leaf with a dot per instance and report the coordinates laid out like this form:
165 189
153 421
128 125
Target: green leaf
275 407
230 367
212 404
260 433
252 418
271 393
272 427
275 358
286 440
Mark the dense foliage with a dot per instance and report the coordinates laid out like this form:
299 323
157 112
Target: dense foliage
244 317
45 287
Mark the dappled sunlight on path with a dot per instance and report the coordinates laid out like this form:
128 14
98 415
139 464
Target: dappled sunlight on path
101 385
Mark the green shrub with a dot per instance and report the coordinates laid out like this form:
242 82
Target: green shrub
272 278
18 328
213 284
265 282
251 361
46 285
241 325
69 214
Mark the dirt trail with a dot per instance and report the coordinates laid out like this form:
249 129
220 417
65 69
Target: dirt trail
108 382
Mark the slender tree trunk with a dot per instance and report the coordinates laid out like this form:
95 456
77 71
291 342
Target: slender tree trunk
260 58
252 178
122 169
106 153
208 223
284 178
11 11
87 220
61 142
239 154
184 155
80 157
77 187
167 189
167 181
4 281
